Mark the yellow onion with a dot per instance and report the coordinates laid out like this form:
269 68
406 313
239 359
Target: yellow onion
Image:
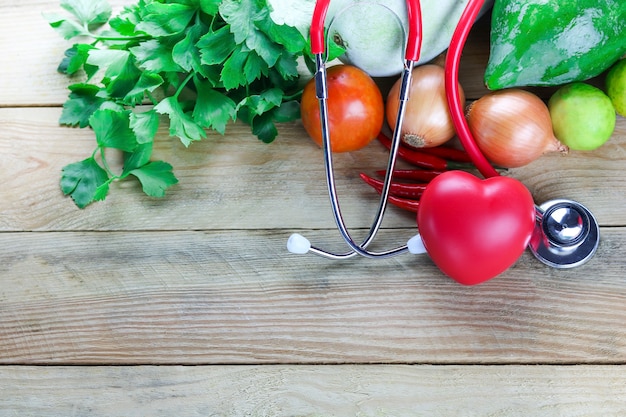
427 121
512 127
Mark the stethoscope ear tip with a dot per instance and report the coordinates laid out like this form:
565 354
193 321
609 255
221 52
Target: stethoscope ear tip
298 244
416 245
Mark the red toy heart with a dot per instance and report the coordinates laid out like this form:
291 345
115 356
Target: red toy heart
475 229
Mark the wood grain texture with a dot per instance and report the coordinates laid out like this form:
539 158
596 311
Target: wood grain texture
32 51
132 290
314 391
236 181
238 297
225 182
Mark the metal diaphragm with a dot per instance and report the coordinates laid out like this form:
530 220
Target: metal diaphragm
566 234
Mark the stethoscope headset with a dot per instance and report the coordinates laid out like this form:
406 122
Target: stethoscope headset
564 233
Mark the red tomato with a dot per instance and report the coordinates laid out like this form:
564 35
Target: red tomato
355 109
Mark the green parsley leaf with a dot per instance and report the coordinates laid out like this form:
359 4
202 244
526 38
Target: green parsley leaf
126 22
261 103
68 28
213 109
289 37
185 53
111 105
334 50
232 75
254 68
287 112
138 158
82 103
155 55
124 81
102 191
75 59
241 15
210 7
80 180
265 48
165 19
112 130
148 82
264 128
88 12
113 61
216 47
287 67
181 124
155 177
145 126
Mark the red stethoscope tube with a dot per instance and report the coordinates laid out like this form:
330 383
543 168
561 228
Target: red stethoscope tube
413 46
453 60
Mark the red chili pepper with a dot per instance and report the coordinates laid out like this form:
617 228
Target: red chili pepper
398 189
421 159
445 152
404 203
413 174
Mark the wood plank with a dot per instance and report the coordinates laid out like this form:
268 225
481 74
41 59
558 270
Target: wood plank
314 391
225 182
32 51
238 182
238 297
202 277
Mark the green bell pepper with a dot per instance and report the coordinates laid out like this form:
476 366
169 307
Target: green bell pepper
553 42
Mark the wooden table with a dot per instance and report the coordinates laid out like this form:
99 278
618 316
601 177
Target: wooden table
191 305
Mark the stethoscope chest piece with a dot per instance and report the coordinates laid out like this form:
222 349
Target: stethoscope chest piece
566 234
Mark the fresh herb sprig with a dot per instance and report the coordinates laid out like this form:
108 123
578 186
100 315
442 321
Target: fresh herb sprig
228 57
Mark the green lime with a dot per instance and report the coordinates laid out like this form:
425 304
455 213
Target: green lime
583 117
616 86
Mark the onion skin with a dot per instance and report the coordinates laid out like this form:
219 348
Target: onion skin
512 127
427 121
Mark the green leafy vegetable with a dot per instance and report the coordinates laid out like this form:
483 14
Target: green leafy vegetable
82 179
193 64
155 177
181 123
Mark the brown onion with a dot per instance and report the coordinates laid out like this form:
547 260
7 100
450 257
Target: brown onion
512 127
427 121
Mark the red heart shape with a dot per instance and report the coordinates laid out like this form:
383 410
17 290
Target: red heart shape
475 229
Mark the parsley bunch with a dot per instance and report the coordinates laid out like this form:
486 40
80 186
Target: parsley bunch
227 56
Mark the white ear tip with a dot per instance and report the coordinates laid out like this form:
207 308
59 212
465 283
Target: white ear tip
416 245
298 244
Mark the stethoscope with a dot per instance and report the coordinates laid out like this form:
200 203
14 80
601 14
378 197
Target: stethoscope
566 234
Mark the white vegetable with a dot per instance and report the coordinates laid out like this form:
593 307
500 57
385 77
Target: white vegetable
373 31
296 13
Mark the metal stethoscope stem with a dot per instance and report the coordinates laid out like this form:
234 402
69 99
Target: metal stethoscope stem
412 54
566 233
359 249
